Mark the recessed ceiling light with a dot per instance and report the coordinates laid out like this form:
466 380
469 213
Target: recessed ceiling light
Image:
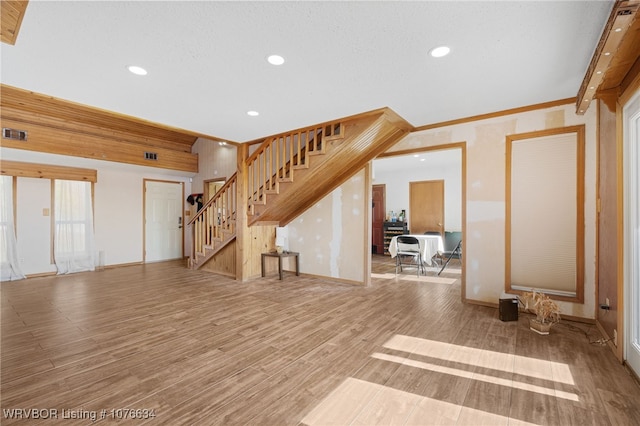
253 113
222 143
275 59
607 53
137 70
422 159
440 51
618 30
591 88
416 155
598 72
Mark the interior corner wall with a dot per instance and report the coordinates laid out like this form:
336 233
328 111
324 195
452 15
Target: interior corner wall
118 209
485 196
331 235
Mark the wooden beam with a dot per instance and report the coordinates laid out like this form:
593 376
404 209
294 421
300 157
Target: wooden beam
47 171
11 15
42 138
621 19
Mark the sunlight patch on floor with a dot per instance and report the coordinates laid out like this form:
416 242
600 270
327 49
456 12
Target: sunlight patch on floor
422 278
358 402
477 376
509 363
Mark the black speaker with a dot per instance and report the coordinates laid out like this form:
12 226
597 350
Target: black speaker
508 309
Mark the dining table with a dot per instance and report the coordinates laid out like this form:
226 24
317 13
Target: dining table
430 245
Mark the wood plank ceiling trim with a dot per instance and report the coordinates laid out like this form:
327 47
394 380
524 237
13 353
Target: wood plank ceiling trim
48 106
616 53
11 14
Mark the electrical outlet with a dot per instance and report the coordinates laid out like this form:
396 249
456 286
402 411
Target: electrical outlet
615 337
606 301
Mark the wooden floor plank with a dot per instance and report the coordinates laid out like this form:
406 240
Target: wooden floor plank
198 348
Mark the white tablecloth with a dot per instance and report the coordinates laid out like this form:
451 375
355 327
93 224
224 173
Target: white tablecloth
429 246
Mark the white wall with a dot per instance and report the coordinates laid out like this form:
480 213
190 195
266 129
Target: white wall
331 236
215 161
33 230
437 165
486 165
118 209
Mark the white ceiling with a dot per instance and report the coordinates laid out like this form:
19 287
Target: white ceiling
207 60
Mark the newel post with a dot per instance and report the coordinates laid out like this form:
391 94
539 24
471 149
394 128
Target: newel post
243 237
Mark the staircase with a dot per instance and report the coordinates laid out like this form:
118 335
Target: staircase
290 172
214 225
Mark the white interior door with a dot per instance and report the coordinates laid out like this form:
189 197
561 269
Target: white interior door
632 233
163 220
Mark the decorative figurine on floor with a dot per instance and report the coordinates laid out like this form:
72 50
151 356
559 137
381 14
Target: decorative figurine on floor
546 311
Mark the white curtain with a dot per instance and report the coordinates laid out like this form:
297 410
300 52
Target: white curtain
74 247
9 268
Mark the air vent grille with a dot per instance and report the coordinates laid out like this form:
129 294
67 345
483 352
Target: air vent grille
18 135
151 156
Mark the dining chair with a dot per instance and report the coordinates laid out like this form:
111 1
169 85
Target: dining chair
408 253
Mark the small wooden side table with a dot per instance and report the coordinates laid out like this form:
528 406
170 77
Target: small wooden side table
280 256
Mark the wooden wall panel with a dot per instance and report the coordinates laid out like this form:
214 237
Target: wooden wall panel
16 115
42 138
36 103
263 239
224 262
607 284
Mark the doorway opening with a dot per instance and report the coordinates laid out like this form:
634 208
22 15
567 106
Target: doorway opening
397 170
211 186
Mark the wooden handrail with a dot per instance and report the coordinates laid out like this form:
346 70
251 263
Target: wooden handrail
216 219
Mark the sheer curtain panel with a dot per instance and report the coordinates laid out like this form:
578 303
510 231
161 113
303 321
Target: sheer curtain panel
74 247
9 266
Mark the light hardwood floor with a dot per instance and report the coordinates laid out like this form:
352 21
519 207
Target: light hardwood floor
203 349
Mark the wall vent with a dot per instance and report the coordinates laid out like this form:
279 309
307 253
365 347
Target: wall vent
151 156
18 135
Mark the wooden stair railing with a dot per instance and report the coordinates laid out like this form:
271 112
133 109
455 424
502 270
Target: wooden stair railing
278 156
214 226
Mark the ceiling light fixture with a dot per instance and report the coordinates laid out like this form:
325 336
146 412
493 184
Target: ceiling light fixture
253 113
275 59
440 51
137 70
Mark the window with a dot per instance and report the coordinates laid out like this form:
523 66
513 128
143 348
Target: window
545 213
73 240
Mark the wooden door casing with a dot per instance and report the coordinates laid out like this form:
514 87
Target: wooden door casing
377 218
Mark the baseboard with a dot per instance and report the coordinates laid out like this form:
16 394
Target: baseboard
41 274
566 317
610 343
340 280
